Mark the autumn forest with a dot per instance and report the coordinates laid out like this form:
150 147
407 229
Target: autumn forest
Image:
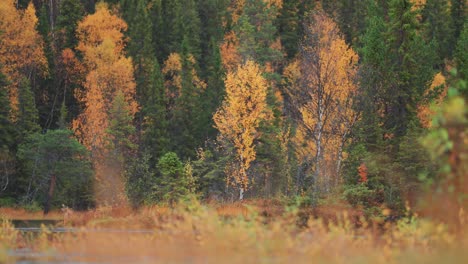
357 105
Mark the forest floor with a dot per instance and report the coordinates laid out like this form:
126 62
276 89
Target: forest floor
260 231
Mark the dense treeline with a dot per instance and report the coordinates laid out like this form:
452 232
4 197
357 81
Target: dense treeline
152 101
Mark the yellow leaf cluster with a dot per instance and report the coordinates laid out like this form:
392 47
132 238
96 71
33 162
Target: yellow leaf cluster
21 46
172 71
328 81
96 28
229 55
241 113
425 112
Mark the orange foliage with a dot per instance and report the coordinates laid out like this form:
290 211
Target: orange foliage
362 171
100 26
425 112
173 72
240 115
229 54
108 71
73 69
21 46
321 84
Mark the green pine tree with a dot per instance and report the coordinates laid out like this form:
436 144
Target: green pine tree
71 12
458 12
439 27
28 116
461 56
396 71
289 25
256 32
6 127
121 130
175 183
155 138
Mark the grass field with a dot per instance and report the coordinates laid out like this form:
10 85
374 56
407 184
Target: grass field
251 232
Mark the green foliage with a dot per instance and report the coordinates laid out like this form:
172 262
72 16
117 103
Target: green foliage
289 24
28 116
461 56
154 127
56 153
176 182
6 127
359 195
120 129
256 32
7 202
458 12
71 12
439 28
446 142
140 180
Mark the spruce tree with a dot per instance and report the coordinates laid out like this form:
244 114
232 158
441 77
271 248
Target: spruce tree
156 16
396 71
458 12
121 130
256 32
71 12
461 55
28 116
6 127
154 128
289 24
411 62
439 27
171 31
191 26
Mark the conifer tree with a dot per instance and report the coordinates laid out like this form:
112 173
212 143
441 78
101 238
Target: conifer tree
439 28
6 128
395 77
155 139
28 116
171 28
411 63
461 56
71 12
289 25
458 12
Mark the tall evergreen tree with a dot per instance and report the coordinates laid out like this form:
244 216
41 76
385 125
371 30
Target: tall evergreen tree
458 12
461 55
156 15
411 62
289 25
191 27
6 127
171 28
71 12
28 116
257 32
154 127
395 76
438 26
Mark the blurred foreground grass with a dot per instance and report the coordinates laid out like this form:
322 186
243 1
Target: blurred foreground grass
238 233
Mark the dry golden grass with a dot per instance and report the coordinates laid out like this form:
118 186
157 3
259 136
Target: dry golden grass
241 233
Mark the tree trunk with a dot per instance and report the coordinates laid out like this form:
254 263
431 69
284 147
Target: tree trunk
241 193
49 194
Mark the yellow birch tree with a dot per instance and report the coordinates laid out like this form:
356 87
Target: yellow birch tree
239 118
321 85
21 47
